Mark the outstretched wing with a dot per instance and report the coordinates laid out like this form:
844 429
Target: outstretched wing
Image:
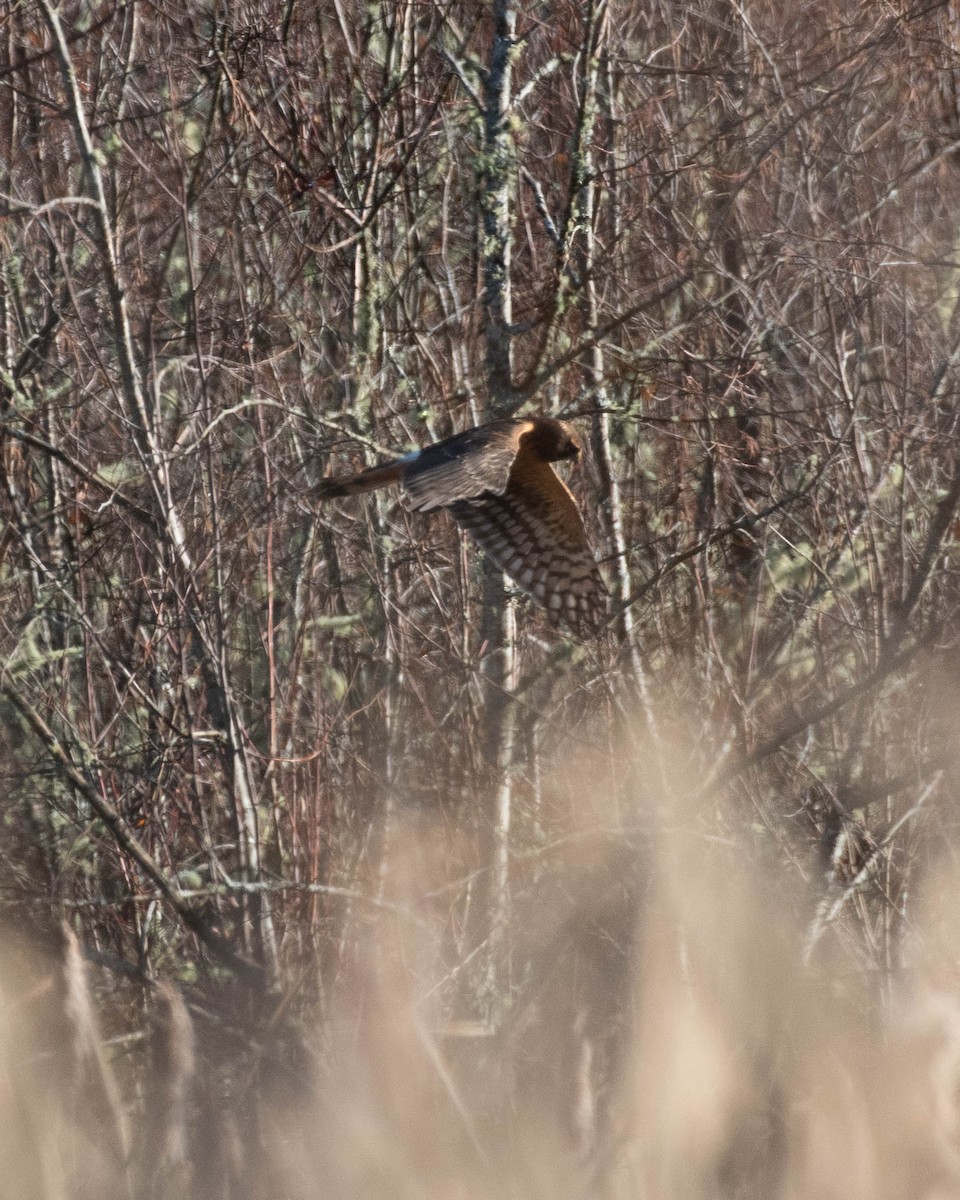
534 532
464 467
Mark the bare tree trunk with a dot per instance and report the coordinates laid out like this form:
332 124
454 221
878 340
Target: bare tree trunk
733 162
583 236
496 180
499 630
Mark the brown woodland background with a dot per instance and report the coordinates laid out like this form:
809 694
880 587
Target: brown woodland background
330 867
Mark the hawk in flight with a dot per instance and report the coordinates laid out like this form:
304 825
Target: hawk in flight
498 484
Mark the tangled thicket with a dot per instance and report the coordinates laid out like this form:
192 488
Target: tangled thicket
242 245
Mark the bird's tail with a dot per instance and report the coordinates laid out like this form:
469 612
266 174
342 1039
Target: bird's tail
364 481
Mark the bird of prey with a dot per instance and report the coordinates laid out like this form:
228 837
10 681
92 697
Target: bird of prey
497 482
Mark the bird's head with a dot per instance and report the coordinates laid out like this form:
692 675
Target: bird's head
556 441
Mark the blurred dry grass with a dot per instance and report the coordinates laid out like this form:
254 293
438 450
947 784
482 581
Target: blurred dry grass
668 1039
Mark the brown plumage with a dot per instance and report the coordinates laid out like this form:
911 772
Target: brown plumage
497 482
